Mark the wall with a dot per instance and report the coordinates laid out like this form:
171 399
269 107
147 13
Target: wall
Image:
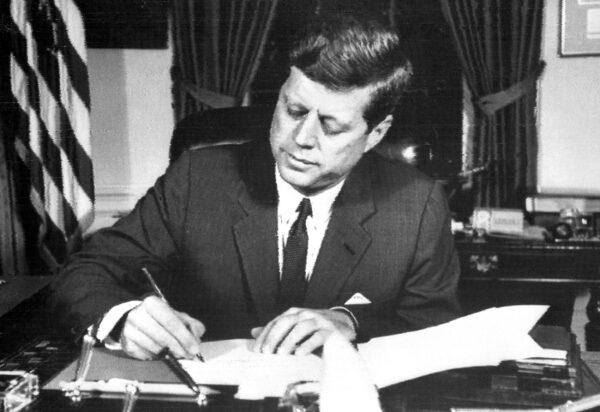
131 121
569 119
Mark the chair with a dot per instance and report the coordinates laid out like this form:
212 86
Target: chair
220 126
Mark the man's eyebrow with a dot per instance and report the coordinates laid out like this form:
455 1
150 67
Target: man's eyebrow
288 99
335 119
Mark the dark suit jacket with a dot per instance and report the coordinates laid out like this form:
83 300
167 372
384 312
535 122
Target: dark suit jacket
208 232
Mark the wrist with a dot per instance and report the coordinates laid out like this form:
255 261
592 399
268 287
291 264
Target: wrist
352 322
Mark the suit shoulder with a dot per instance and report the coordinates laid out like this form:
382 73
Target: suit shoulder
396 173
222 167
401 187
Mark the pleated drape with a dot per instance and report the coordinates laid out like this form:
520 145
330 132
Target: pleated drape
499 46
218 45
12 239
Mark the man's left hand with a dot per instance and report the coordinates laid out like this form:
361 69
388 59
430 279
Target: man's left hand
300 331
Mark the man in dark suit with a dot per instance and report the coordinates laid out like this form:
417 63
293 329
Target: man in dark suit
289 240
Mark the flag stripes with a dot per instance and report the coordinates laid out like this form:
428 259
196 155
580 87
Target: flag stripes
77 151
50 84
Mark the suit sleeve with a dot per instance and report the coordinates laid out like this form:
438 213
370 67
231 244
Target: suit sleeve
106 272
429 295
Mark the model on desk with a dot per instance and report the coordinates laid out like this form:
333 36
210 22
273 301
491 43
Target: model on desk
369 249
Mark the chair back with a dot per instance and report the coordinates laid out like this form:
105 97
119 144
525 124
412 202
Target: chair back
232 125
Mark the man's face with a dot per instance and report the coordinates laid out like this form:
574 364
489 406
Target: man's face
318 135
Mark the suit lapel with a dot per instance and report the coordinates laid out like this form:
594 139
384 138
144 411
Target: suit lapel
345 240
256 233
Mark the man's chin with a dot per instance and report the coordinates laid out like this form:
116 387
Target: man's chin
298 180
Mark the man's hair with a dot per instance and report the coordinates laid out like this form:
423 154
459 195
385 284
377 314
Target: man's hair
343 52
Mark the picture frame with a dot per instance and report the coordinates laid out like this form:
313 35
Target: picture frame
579 28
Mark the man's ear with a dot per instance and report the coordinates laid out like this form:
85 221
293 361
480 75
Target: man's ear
378 132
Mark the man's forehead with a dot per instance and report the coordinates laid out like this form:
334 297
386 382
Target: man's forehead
299 89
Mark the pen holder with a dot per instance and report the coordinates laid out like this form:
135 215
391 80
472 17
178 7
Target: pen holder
302 396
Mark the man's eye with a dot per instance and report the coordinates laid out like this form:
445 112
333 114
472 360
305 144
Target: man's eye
331 130
295 113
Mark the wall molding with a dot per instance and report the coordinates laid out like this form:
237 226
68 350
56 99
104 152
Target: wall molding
118 198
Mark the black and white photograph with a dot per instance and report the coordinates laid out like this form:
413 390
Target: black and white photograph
300 205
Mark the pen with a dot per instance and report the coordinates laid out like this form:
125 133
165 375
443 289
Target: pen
164 299
167 357
154 285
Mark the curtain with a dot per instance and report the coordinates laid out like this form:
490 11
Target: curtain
499 46
218 45
12 245
47 133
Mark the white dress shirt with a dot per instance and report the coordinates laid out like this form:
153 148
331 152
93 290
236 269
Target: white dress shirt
316 225
287 205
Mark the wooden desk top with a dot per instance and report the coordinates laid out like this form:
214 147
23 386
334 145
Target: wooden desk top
16 289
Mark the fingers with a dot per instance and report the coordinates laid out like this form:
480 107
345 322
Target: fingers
137 344
268 339
141 321
300 331
137 351
154 325
196 327
314 342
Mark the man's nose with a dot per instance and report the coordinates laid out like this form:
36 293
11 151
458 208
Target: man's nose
307 130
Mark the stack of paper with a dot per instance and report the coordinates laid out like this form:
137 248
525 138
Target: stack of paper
231 362
482 339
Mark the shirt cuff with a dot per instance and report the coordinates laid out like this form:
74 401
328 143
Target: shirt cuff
110 320
350 315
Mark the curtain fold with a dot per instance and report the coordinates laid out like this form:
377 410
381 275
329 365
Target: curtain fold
12 242
499 45
218 48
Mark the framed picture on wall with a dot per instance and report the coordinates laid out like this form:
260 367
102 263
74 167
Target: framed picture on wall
579 28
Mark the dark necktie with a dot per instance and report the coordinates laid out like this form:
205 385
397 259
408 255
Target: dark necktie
293 273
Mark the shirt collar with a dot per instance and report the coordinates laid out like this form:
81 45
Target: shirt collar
289 199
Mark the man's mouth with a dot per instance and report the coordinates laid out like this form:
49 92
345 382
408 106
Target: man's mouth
301 160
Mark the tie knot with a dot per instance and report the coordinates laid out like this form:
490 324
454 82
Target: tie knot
304 209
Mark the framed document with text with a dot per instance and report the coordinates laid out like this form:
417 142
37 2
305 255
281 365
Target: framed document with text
579 28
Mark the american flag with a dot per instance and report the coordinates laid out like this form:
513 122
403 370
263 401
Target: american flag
49 82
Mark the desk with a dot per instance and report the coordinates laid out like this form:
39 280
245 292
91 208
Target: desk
393 399
497 273
16 289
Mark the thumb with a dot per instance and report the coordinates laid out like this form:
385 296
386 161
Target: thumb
255 332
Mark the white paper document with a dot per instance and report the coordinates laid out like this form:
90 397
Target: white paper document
482 339
231 362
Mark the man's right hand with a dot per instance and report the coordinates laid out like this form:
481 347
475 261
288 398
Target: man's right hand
154 325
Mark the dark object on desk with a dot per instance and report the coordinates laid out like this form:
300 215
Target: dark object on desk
17 289
562 231
526 382
27 338
114 364
512 384
173 364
